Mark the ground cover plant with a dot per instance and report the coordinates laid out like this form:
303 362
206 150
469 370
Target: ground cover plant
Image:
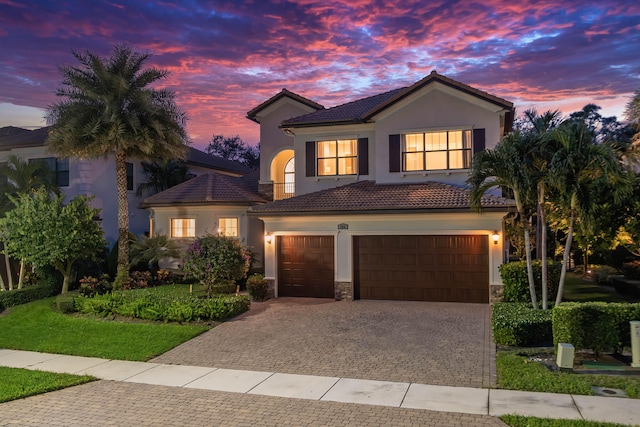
520 421
517 372
20 383
37 326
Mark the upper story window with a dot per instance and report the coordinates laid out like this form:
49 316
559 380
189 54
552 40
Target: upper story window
183 227
59 169
129 176
338 157
290 176
228 227
436 150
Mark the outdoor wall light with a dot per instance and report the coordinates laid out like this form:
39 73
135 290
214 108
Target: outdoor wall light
268 238
495 236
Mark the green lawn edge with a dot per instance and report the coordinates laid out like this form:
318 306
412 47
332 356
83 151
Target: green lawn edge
18 383
521 421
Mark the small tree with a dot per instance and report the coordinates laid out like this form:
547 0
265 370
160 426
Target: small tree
153 249
44 231
234 148
214 259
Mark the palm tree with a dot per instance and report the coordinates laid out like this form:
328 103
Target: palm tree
163 175
539 126
153 249
109 108
575 169
507 166
22 178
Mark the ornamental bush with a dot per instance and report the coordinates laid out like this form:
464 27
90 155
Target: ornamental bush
516 282
631 270
215 259
257 287
518 324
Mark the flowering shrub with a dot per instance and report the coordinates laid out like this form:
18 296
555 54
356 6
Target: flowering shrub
215 259
89 286
257 287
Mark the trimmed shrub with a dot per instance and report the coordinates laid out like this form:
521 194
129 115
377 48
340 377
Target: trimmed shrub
168 309
65 304
596 326
603 274
518 324
48 287
257 287
224 288
89 286
516 283
631 270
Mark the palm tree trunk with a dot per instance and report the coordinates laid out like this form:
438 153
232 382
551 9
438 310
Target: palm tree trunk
123 217
542 244
565 258
527 250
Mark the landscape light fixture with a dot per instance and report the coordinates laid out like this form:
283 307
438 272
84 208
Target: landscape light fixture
495 236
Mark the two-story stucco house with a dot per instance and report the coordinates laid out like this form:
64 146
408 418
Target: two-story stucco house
369 197
97 177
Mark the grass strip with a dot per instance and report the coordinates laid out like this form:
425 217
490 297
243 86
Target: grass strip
36 326
517 372
520 421
20 383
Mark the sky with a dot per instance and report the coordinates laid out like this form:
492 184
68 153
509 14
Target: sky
226 57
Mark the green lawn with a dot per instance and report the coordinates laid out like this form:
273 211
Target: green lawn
520 421
21 383
580 290
36 326
516 372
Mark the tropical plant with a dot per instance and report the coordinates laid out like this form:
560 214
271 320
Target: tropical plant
506 166
21 177
577 165
213 259
163 175
153 249
44 231
109 108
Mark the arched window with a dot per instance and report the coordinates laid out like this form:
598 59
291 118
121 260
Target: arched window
289 177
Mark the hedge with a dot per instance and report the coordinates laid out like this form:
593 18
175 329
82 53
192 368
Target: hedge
631 270
516 282
47 288
518 324
168 309
596 326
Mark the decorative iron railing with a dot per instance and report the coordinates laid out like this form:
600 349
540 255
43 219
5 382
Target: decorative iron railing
283 190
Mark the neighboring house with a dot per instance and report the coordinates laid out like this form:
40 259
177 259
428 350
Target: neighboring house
370 199
211 203
97 177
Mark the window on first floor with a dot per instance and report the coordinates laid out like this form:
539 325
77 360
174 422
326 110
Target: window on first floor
59 169
436 150
228 227
183 227
338 157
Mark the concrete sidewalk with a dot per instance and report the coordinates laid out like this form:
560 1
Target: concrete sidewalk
463 400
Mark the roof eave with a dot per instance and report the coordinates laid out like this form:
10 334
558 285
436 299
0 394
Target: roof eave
376 211
320 124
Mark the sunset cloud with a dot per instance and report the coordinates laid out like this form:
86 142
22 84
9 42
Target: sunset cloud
226 57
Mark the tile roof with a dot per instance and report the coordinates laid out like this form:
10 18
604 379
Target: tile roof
368 196
362 110
209 189
196 157
251 114
13 137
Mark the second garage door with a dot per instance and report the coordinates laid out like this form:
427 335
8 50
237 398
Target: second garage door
422 268
305 266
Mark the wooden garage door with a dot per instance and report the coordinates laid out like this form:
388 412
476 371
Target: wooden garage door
305 266
422 268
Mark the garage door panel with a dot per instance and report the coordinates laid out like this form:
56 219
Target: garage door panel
305 266
431 268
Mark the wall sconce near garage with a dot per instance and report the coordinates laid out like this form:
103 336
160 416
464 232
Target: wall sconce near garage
495 236
268 238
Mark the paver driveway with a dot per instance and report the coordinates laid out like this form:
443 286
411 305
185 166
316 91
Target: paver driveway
422 342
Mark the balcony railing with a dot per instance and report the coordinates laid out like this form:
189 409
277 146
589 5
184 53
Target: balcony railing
283 190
